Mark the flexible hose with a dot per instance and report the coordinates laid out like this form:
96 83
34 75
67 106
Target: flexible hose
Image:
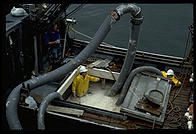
11 109
130 78
128 63
79 59
43 106
12 101
137 19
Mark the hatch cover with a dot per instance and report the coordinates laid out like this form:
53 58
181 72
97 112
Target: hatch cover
137 103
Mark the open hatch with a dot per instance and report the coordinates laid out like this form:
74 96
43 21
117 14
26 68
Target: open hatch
97 97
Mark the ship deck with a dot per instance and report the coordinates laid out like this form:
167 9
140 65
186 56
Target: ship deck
176 108
97 98
174 119
179 102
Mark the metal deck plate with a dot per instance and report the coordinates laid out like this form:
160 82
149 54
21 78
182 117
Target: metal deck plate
133 103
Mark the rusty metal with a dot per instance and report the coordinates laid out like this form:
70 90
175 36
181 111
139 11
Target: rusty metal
146 107
154 96
132 108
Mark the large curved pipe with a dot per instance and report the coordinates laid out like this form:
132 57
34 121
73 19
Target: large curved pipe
12 101
137 19
43 106
130 78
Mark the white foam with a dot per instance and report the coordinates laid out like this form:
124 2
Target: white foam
98 98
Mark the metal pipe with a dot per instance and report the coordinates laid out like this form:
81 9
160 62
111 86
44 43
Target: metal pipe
64 45
35 54
130 78
43 106
12 101
49 8
56 9
137 19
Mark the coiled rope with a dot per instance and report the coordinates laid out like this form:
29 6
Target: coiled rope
175 111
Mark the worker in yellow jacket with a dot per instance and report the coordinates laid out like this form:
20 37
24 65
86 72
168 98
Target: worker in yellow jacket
81 82
170 74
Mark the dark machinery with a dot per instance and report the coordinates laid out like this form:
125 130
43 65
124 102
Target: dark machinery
24 47
23 52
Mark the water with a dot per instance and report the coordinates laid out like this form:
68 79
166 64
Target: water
163 31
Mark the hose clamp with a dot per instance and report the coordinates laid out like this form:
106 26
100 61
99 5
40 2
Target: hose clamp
137 21
115 14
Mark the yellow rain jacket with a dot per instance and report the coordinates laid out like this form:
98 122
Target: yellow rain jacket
175 81
80 84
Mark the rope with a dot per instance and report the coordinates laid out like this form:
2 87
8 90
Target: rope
175 119
175 122
71 28
75 10
179 89
185 51
111 73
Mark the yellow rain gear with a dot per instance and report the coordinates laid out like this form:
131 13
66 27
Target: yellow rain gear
80 84
175 81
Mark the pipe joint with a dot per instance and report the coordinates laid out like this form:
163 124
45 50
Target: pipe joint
128 8
132 42
136 21
135 11
115 15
